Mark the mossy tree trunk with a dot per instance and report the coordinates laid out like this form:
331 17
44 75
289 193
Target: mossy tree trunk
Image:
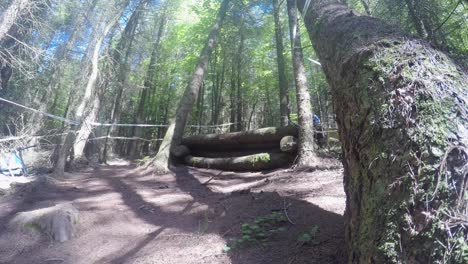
174 134
306 154
282 80
402 116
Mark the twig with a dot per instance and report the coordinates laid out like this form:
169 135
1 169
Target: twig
285 210
205 183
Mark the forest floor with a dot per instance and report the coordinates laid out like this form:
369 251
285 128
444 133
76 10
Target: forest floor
128 215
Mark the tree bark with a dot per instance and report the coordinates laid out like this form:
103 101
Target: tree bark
401 110
62 58
306 153
416 18
255 162
86 112
239 99
10 16
366 7
174 137
282 81
148 85
258 136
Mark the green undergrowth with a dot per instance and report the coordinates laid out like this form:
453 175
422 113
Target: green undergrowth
259 231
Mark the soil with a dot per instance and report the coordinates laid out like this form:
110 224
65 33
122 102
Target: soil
128 215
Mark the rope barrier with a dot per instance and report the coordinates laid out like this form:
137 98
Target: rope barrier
126 138
42 113
69 121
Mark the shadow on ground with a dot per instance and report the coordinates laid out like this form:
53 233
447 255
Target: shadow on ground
130 216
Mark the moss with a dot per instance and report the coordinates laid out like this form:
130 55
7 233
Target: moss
262 157
406 133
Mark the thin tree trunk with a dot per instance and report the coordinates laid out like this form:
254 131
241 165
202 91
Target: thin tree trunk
232 96
366 7
416 18
401 111
121 55
175 132
62 58
282 81
11 15
148 85
78 141
306 154
239 99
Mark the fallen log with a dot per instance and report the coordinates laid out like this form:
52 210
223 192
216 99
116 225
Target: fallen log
288 144
255 148
257 137
180 151
230 154
255 162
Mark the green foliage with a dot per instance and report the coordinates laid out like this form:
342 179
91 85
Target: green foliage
143 161
309 236
260 230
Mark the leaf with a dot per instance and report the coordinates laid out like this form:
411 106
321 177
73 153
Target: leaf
226 248
305 238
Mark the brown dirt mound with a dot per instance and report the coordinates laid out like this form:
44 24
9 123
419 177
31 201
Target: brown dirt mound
127 215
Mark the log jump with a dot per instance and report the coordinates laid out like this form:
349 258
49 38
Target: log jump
254 150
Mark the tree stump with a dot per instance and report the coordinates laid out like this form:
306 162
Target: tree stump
58 222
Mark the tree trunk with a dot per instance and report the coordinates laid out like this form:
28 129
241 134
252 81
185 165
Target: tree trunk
121 55
416 18
282 81
255 162
401 111
232 96
62 56
10 16
84 109
10 25
148 85
174 137
306 154
239 99
366 7
84 115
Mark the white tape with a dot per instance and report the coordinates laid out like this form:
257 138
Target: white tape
102 124
42 113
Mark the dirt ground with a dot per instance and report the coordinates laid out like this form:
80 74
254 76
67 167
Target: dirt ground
128 215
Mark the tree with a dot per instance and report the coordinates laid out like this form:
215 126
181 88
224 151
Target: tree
176 128
148 84
86 112
11 15
401 110
282 81
9 33
306 155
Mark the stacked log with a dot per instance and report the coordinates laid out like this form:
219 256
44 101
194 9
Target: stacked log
254 150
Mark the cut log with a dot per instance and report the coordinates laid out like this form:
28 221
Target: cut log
259 136
256 162
230 154
288 144
180 151
58 222
254 148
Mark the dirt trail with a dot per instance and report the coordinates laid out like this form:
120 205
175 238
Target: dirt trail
129 216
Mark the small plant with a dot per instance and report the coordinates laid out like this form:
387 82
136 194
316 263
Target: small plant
260 230
309 236
204 224
143 161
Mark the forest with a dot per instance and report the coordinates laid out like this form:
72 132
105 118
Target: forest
233 131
